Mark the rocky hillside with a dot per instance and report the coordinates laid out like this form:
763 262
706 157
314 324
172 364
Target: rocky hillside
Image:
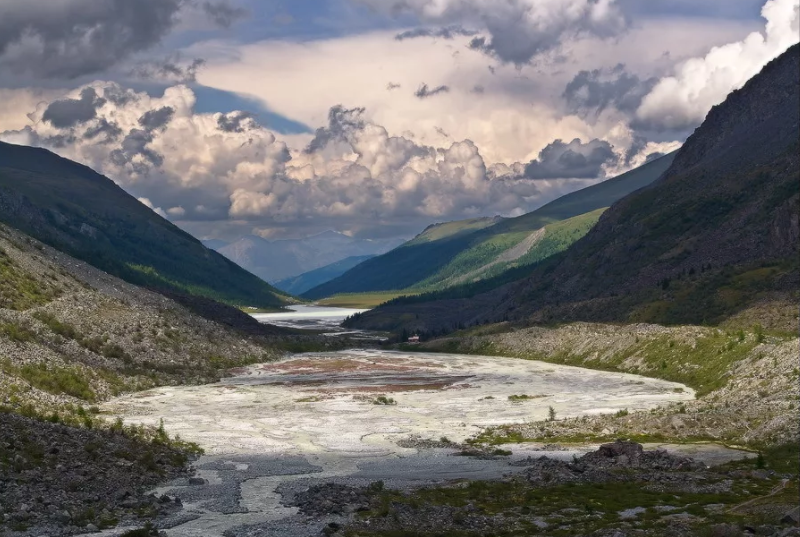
716 234
71 334
745 380
77 211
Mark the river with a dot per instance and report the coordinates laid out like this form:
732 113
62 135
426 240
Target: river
274 428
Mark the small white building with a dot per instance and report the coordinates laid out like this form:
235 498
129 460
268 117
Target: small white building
413 339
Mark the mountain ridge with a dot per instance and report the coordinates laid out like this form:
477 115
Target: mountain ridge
433 254
716 233
75 209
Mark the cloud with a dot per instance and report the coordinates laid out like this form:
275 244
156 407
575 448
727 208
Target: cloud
171 69
574 160
237 121
423 92
72 38
149 204
70 112
681 101
447 32
354 174
591 92
342 122
223 13
518 30
156 119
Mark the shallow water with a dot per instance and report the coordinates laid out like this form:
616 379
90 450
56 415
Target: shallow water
308 317
278 427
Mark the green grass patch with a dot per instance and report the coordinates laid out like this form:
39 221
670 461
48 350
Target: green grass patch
361 300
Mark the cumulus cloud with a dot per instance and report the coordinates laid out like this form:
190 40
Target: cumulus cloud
221 168
517 30
682 100
423 92
342 122
70 112
573 159
156 119
591 92
237 121
72 38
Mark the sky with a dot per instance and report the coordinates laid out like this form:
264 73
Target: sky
374 118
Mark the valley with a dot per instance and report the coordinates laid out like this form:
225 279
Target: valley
619 362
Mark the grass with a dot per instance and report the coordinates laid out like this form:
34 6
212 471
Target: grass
361 300
701 363
56 380
20 291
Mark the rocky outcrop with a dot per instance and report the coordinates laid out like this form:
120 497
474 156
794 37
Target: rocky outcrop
57 480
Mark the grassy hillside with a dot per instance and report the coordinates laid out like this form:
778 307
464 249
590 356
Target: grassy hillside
446 254
298 285
716 235
80 212
444 230
486 260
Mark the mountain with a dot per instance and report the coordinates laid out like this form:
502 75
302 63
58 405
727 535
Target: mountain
298 285
280 259
717 234
447 254
82 213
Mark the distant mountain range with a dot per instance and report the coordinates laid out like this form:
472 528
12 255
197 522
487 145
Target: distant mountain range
298 285
717 233
86 215
466 251
274 260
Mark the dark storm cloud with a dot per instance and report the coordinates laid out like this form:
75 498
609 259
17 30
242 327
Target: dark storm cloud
594 91
135 144
236 122
70 112
424 92
72 38
575 160
169 69
341 123
110 129
223 13
156 119
448 32
513 31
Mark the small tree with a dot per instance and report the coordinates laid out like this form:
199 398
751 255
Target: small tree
551 414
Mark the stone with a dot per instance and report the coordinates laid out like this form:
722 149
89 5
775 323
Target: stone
197 481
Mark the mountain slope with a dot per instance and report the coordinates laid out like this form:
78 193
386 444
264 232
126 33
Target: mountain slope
716 234
275 260
298 285
436 255
80 212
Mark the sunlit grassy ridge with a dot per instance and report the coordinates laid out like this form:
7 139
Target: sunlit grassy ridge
443 253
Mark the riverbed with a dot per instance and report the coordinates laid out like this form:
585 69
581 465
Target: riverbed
274 428
308 317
